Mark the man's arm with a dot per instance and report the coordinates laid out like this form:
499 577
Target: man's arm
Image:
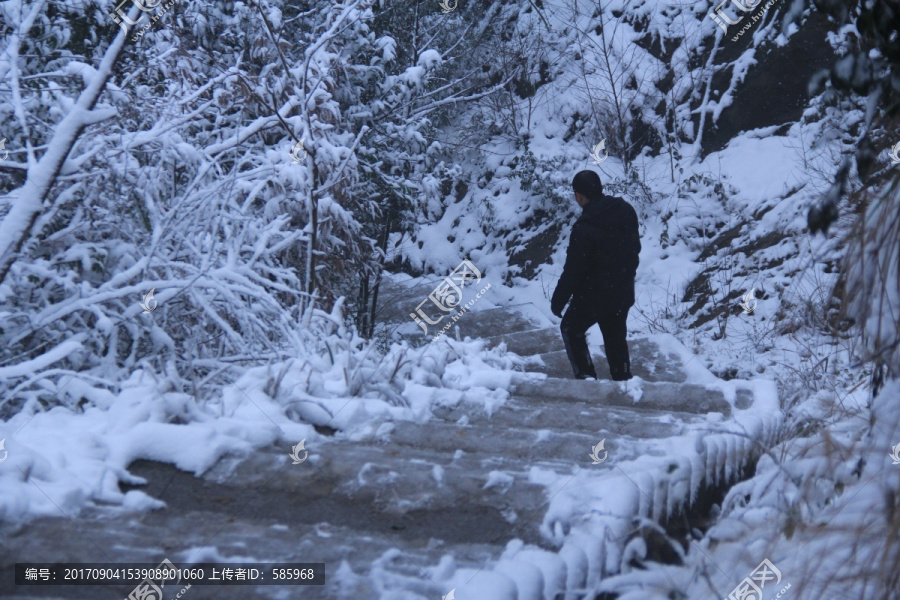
575 271
635 235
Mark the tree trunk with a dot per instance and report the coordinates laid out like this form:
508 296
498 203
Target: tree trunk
384 239
313 233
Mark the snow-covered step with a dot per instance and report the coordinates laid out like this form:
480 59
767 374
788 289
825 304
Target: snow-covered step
537 413
508 319
530 342
645 363
473 323
648 360
399 474
401 542
521 446
358 487
556 364
397 299
660 396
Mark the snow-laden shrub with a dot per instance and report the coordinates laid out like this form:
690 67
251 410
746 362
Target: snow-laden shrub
186 198
241 168
335 381
547 180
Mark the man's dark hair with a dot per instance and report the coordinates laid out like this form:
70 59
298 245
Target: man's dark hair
588 184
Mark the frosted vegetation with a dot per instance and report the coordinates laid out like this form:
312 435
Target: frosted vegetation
171 163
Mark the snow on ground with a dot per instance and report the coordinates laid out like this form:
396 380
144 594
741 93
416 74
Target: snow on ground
814 510
61 460
667 475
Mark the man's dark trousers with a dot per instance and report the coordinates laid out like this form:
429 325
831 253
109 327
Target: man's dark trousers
581 316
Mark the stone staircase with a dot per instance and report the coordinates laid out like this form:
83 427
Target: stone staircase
416 510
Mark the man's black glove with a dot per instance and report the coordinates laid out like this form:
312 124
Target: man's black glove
556 309
558 300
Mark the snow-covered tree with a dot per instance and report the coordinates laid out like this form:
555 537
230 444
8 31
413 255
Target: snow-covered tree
244 162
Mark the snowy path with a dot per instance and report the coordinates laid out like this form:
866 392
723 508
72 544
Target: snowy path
499 502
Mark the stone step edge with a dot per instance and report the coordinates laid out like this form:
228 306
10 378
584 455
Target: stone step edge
592 566
663 395
510 308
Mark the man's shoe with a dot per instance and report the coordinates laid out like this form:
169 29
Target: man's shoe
585 377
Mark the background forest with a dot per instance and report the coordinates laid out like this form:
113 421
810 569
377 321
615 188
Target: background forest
259 171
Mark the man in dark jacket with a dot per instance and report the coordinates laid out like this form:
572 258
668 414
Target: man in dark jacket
598 277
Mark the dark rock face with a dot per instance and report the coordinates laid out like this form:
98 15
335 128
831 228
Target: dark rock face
774 91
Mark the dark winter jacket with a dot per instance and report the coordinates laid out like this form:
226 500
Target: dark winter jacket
602 257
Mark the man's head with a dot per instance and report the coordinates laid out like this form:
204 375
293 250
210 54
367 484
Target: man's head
587 186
